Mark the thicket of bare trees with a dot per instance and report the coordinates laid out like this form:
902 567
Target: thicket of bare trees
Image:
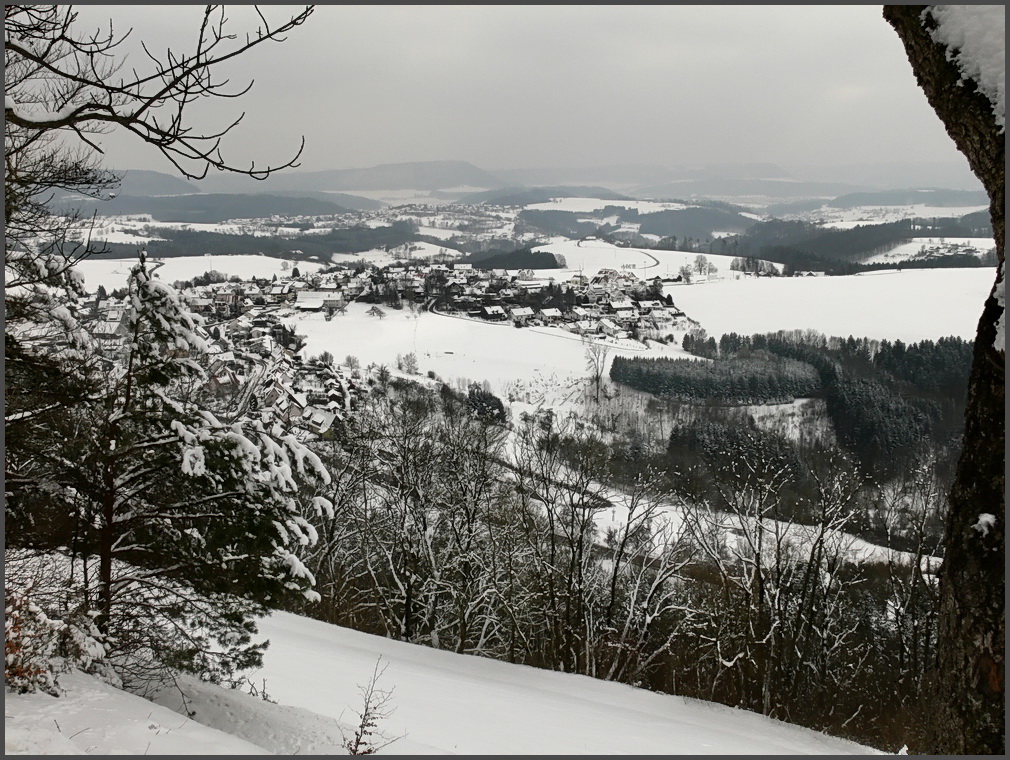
543 542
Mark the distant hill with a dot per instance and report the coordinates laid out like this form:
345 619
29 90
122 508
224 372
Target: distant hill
344 200
731 186
139 182
623 175
979 224
524 196
211 208
425 175
626 176
910 197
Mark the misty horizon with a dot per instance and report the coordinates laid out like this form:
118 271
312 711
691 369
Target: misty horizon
810 89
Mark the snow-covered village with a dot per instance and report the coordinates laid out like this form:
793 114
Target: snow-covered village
433 458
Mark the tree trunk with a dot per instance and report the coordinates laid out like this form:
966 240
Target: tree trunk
969 709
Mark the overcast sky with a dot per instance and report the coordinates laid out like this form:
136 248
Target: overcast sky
560 86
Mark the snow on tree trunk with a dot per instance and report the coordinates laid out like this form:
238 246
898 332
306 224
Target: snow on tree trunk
955 65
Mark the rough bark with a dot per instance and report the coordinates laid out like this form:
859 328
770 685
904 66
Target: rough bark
968 716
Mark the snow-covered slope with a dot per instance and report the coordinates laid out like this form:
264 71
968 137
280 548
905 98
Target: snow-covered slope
113 273
910 305
443 703
92 718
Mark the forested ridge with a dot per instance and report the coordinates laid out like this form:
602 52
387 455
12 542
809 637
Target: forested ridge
884 398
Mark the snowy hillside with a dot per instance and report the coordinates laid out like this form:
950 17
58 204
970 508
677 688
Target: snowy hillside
454 347
588 257
443 703
113 273
911 305
842 219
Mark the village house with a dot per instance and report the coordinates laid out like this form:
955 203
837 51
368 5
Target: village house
521 314
289 404
648 307
319 300
201 305
226 302
496 313
550 316
279 293
317 420
610 329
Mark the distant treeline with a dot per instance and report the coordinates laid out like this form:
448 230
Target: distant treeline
938 197
557 223
698 221
758 378
800 245
316 246
523 258
883 398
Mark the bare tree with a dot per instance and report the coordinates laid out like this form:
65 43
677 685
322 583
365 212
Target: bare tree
647 553
376 707
597 354
779 639
74 82
969 716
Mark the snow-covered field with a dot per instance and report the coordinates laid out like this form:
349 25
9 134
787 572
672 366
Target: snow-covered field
589 205
862 215
131 228
919 248
455 347
436 232
910 305
588 257
113 273
443 703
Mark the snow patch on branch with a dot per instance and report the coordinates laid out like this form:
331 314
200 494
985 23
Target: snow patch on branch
975 38
986 522
323 506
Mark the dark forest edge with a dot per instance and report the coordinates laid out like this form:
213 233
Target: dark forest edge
885 399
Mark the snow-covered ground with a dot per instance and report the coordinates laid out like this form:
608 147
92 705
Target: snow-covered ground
862 215
911 305
131 228
456 347
589 205
113 273
436 232
921 248
588 257
443 703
